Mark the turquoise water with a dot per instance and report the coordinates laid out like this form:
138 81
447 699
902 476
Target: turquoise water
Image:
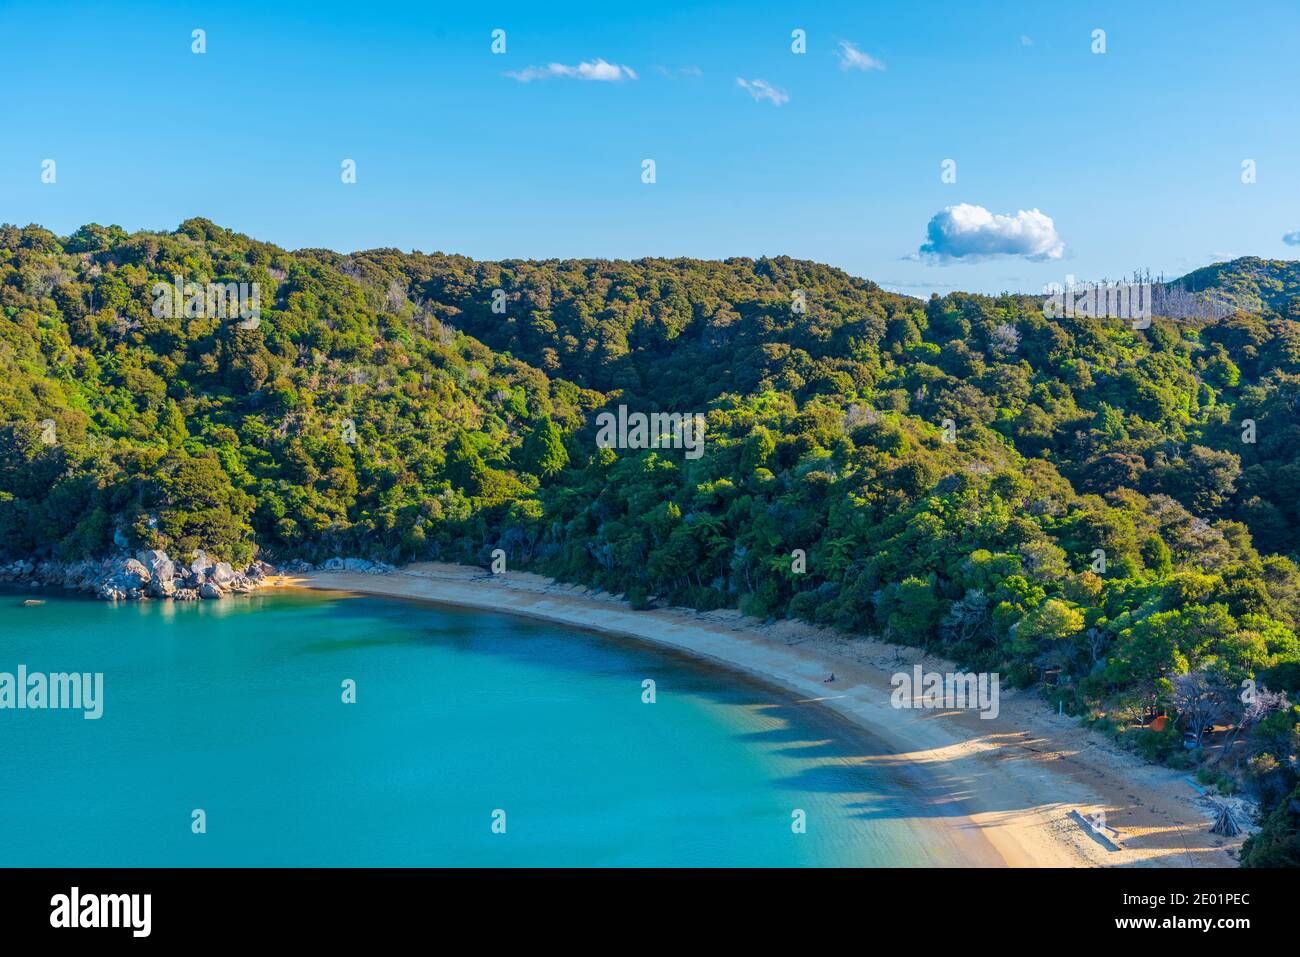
235 708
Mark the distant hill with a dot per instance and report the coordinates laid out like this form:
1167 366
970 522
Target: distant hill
1248 284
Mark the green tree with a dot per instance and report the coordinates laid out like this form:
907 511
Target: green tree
544 451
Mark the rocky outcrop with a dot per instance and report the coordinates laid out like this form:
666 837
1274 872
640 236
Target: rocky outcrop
358 565
150 574
18 571
363 566
154 574
124 578
160 567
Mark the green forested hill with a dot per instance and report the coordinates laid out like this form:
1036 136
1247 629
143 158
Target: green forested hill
1250 284
1024 494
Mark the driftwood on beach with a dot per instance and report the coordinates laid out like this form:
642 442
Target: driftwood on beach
1095 824
1225 821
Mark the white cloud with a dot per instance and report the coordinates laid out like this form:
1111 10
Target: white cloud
596 70
1026 41
762 90
1292 238
972 233
851 58
681 71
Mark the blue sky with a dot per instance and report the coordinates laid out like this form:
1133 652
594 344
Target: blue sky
1134 155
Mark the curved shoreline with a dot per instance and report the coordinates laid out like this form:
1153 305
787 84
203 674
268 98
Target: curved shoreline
1017 778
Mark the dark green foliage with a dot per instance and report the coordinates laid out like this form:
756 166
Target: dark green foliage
544 451
1277 844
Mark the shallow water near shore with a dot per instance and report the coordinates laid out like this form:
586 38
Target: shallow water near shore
235 707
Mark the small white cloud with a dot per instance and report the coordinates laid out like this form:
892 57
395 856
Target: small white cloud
597 70
1292 238
762 90
851 58
673 74
1026 41
971 233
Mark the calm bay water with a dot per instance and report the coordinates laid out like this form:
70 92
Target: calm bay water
235 707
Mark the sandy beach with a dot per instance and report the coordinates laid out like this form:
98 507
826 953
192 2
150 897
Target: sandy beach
1019 778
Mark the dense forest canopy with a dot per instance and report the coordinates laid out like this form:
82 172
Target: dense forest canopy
1114 507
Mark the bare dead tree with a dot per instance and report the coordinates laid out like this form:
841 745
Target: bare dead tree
1199 698
1004 339
1255 708
1096 639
